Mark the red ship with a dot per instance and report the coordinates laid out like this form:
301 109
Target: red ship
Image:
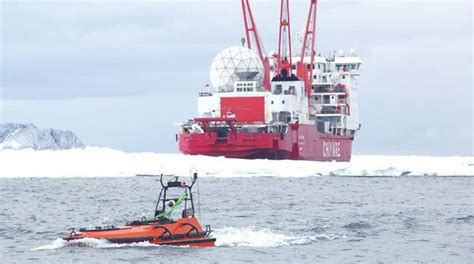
277 106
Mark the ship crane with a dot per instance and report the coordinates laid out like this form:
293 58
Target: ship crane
305 70
251 29
300 115
283 60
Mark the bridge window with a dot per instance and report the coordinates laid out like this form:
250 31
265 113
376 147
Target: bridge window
291 90
278 89
284 117
326 99
274 116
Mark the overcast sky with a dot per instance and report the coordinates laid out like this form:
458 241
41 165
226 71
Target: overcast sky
121 74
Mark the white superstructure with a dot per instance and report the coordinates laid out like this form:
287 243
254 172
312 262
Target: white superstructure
332 104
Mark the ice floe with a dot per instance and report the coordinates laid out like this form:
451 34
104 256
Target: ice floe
105 162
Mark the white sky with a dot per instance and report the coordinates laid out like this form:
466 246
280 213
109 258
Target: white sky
121 73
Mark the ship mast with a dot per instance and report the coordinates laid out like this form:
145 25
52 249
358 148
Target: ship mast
283 64
305 71
251 28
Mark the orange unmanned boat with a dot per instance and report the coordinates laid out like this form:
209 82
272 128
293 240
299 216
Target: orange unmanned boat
162 229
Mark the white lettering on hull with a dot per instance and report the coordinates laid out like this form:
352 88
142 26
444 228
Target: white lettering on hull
332 149
301 143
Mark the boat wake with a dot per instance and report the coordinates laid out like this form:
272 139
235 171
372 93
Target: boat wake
102 162
91 243
253 237
226 237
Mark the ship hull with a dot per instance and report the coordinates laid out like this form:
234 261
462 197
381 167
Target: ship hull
299 142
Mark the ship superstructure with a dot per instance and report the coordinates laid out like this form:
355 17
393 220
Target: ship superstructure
278 106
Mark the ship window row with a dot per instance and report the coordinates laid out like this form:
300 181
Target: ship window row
279 89
322 78
346 67
244 84
319 66
244 89
315 65
329 99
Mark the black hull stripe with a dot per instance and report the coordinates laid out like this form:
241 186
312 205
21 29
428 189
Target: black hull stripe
184 242
149 239
128 240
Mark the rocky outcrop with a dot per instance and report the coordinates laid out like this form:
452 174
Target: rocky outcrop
23 136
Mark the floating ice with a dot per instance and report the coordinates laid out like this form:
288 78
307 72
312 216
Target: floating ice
102 162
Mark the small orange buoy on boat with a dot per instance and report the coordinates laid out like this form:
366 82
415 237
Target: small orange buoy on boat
185 231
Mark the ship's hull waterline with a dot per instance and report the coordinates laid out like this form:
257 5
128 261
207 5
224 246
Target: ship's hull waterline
300 142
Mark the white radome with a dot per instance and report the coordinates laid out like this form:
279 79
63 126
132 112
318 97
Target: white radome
234 60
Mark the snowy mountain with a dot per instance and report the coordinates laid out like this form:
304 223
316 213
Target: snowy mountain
24 136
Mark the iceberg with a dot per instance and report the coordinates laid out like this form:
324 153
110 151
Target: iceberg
28 136
106 162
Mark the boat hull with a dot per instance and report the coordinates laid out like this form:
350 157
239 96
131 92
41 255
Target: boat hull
184 232
299 142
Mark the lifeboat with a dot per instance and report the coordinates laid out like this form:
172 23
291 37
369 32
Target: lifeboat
161 229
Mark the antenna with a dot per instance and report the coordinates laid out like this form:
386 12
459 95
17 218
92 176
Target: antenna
194 175
354 32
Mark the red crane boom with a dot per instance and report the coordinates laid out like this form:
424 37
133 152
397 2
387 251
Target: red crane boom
283 64
251 28
305 71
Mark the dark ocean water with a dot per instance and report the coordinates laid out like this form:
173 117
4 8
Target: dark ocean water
261 219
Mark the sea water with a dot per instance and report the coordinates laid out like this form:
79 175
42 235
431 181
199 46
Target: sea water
333 219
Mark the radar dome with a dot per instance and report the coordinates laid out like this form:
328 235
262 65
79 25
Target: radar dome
234 64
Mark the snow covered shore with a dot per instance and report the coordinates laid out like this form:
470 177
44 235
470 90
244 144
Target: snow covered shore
104 162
